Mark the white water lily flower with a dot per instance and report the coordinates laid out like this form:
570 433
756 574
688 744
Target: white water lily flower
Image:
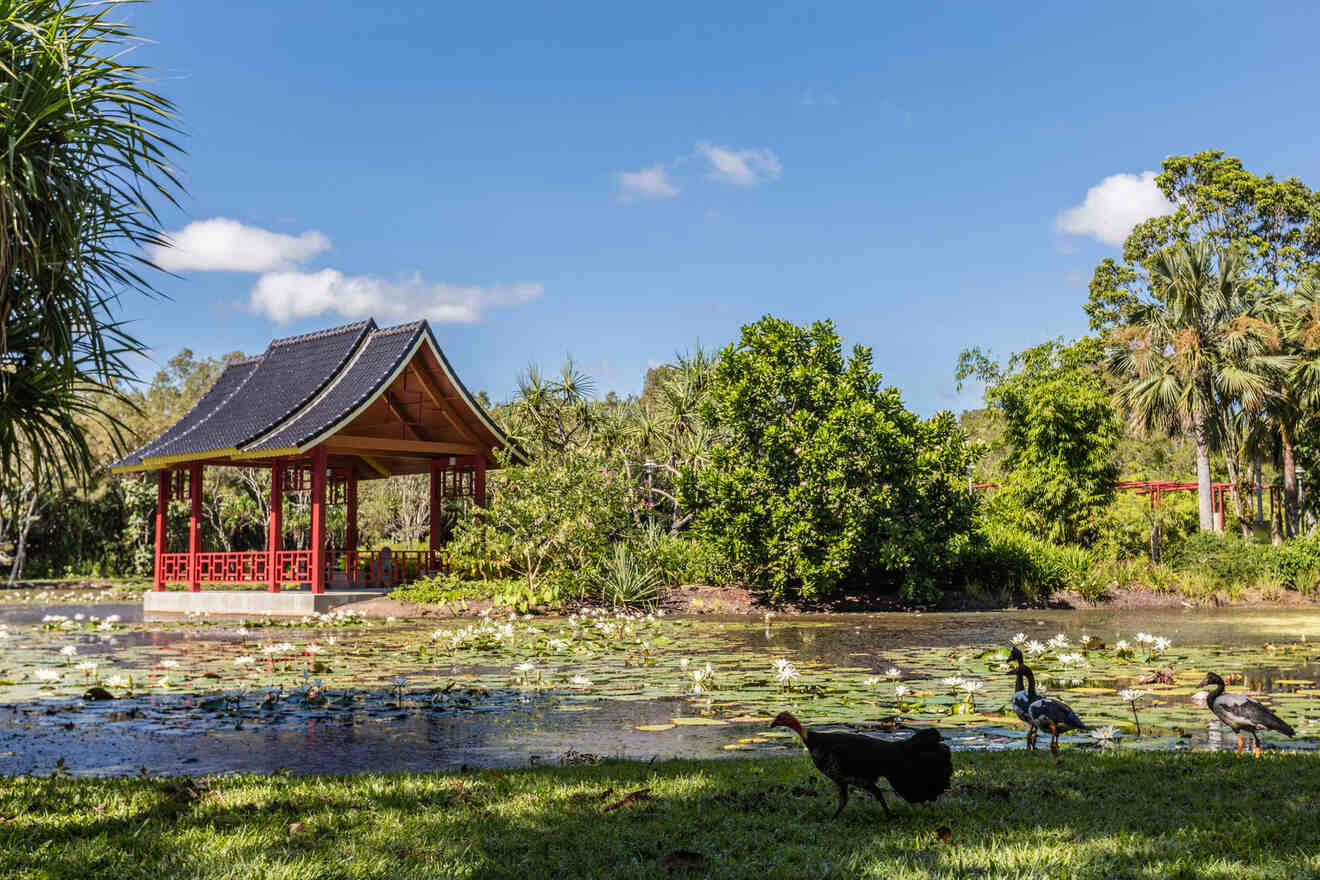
1131 695
87 666
1073 659
1121 645
244 661
68 650
1059 641
893 672
1145 638
170 664
972 686
954 681
872 681
1105 735
47 675
117 681
580 681
1034 647
787 672
113 618
1162 644
683 664
1018 639
524 667
901 690
314 648
275 649
163 681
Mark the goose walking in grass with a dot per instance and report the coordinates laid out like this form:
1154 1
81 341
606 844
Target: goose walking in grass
1240 712
1043 713
1023 697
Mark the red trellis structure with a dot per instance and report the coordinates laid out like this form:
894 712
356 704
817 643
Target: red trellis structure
323 411
1157 489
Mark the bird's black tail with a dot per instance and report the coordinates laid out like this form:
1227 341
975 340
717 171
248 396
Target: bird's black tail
926 770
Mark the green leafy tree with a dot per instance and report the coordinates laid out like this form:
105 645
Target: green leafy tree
1062 434
821 477
86 150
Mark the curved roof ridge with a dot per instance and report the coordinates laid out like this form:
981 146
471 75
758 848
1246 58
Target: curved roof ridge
319 334
377 362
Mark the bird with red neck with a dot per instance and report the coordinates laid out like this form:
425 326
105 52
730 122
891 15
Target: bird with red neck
919 768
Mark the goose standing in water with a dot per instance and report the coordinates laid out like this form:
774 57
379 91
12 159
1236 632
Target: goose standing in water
1241 713
1023 697
1043 713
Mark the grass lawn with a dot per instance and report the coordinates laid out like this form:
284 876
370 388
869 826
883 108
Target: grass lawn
1092 814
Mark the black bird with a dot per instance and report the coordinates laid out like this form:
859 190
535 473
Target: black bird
919 767
1043 713
1023 697
1241 713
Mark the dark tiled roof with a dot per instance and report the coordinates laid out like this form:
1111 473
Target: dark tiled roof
232 378
364 377
289 374
300 389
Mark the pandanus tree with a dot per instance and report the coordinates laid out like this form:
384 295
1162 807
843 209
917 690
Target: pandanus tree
85 162
1175 354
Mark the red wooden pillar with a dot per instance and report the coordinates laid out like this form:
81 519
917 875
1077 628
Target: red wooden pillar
436 470
195 527
318 518
351 525
162 528
275 531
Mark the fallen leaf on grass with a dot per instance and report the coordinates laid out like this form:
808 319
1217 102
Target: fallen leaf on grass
944 833
297 828
683 858
629 799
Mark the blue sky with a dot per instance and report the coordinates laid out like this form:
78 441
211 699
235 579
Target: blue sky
617 182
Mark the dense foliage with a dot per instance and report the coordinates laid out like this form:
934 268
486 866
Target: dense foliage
1061 433
821 477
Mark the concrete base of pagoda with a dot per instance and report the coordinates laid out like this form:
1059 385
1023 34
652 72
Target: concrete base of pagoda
252 603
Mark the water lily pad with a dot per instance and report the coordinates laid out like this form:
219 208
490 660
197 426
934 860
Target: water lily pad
654 728
700 722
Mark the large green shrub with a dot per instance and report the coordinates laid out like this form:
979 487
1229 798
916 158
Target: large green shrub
821 476
1062 434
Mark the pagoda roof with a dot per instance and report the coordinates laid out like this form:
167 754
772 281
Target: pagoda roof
382 394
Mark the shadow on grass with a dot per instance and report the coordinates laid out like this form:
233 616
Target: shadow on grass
1088 815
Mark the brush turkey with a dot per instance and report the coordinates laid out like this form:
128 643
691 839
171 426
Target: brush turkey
919 768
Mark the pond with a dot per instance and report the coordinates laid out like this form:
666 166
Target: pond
339 693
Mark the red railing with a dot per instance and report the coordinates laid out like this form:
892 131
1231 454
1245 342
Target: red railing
359 567
378 568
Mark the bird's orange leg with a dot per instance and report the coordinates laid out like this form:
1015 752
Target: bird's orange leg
1031 738
1054 740
1256 739
1238 734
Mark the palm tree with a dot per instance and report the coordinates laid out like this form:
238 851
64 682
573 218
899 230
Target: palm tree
86 151
1172 355
1296 395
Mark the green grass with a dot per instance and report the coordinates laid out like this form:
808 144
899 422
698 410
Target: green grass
1091 814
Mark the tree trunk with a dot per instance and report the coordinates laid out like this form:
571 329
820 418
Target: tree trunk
1204 499
1276 521
1239 499
20 551
1289 483
1156 538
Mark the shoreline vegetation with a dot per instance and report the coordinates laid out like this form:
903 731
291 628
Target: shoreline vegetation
697 600
1090 814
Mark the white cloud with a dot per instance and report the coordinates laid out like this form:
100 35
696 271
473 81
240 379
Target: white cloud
648 183
224 245
289 296
1115 205
740 167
